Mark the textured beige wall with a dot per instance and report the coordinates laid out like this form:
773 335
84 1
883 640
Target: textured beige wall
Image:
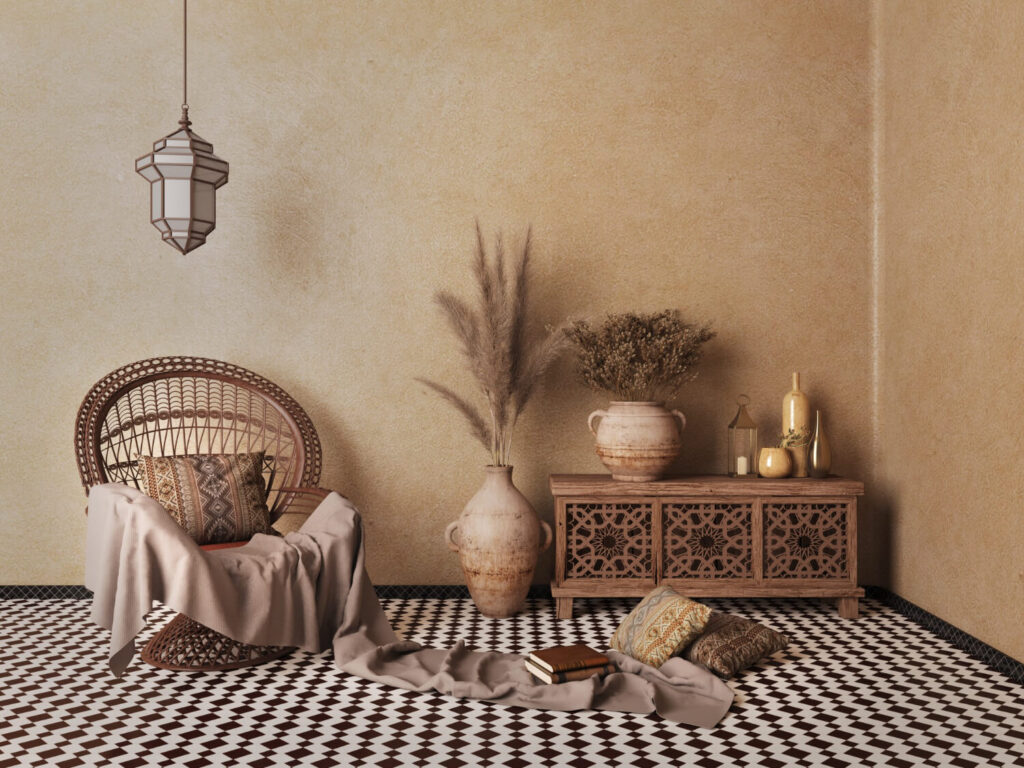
708 156
952 481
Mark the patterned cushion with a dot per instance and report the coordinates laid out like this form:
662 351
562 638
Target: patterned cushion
732 643
662 624
215 498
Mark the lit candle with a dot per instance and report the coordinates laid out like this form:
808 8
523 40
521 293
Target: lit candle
741 465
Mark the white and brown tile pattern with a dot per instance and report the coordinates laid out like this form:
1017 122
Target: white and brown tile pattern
876 691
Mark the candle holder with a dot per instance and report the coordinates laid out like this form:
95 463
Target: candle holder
742 441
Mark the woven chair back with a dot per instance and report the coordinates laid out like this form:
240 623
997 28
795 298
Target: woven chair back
185 406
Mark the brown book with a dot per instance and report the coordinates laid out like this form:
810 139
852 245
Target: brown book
573 674
562 658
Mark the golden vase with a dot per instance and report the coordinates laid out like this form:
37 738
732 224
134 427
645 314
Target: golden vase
820 454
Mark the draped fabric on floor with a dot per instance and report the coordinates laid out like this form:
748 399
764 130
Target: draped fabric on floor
310 589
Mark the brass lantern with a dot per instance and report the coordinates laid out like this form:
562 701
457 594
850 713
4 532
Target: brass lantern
184 176
742 441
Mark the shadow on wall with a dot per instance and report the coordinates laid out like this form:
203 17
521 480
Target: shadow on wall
290 219
704 449
875 531
848 453
341 472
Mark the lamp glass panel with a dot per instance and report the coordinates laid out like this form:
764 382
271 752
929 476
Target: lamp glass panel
156 195
175 170
203 202
149 172
178 198
209 175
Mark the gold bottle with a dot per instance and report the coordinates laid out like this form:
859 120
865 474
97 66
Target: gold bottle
821 452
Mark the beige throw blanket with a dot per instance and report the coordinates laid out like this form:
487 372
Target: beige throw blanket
310 589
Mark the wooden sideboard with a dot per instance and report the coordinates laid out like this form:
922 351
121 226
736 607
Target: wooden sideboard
706 536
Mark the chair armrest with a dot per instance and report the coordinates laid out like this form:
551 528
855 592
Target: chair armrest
222 545
298 503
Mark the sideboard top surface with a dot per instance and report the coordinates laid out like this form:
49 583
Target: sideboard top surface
705 485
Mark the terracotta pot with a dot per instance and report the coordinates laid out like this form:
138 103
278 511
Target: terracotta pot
774 462
638 441
498 538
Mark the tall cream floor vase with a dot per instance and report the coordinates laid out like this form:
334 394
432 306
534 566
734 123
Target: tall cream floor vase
498 537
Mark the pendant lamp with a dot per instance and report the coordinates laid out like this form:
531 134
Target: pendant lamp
184 175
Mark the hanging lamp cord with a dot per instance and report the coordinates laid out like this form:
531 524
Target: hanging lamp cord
184 122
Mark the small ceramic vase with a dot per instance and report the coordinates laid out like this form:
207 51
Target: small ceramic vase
774 462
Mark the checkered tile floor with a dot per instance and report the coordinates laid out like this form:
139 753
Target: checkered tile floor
876 691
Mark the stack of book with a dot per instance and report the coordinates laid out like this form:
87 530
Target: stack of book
563 663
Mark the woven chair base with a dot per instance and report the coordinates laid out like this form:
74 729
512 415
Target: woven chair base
188 646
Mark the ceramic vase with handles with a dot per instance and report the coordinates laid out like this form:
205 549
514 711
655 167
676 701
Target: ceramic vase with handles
498 537
637 441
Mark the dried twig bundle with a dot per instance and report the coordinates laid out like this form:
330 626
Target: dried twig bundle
639 357
493 337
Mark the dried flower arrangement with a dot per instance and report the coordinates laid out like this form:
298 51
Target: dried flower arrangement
507 364
639 357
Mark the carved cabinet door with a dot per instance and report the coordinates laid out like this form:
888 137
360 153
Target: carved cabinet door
609 539
708 540
809 539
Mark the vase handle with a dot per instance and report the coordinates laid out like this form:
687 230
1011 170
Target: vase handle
449 532
682 420
547 536
595 415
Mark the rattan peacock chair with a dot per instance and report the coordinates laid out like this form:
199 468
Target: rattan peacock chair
187 406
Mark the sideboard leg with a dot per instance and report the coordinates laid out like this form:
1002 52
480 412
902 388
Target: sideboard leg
563 607
847 607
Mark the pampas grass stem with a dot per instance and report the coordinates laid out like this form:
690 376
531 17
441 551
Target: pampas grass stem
507 365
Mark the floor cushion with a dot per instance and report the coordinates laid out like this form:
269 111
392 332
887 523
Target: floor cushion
731 643
662 625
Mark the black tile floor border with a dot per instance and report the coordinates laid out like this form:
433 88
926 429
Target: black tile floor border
390 591
44 592
970 645
443 591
